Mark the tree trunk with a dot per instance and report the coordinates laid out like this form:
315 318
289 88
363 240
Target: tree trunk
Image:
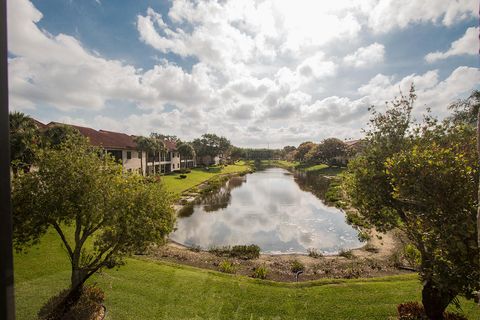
153 161
141 162
435 301
78 278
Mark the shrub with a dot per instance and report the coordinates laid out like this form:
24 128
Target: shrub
182 176
227 267
412 255
363 236
245 252
415 311
260 272
88 306
346 254
195 248
296 266
352 272
314 253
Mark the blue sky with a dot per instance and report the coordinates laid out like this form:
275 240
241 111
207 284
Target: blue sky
259 72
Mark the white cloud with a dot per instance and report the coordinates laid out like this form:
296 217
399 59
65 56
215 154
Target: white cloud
385 15
430 90
467 44
59 71
264 70
366 56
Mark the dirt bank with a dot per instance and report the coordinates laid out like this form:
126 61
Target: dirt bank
373 260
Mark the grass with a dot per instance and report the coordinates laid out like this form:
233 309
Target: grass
319 168
174 184
146 289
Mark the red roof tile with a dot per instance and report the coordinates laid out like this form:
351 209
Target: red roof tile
110 139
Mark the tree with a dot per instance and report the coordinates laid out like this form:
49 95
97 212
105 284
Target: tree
422 179
332 151
468 111
157 146
24 140
211 145
303 149
186 151
55 135
144 145
101 213
237 153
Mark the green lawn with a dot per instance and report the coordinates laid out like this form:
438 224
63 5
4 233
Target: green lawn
153 290
320 168
174 184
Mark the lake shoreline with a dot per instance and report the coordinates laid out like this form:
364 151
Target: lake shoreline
372 259
362 264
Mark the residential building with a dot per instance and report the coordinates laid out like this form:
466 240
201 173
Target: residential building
124 149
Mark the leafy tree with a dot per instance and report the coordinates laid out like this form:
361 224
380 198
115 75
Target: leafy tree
211 145
466 110
302 150
101 213
331 151
24 140
55 135
423 180
236 153
186 152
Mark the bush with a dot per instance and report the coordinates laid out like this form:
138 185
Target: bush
296 266
260 272
314 253
346 254
415 311
412 255
195 248
227 267
182 176
88 306
245 252
363 236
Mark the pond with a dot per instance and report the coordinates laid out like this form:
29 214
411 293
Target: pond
270 208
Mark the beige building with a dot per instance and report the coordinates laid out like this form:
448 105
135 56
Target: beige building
124 149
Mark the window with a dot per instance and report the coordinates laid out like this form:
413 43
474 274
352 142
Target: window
129 154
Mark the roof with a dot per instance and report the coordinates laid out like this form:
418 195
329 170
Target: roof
103 138
351 143
110 139
40 125
170 145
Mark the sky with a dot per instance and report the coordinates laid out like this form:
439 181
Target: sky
263 73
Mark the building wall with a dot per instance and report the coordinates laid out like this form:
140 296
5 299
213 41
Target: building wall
175 162
137 161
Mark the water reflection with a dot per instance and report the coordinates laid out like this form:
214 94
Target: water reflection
268 208
314 182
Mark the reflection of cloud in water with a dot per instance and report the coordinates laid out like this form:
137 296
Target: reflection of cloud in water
270 210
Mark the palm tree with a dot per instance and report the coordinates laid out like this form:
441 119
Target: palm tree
158 146
143 145
24 137
186 151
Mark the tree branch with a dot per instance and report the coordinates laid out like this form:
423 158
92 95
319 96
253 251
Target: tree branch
65 242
